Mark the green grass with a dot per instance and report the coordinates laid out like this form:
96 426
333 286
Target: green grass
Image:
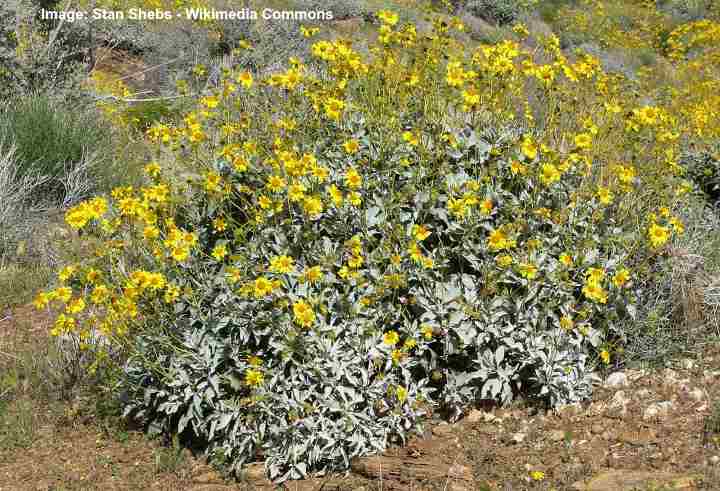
49 137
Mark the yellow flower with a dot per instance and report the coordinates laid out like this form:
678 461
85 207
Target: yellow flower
527 270
351 146
517 168
354 198
304 314
254 361
549 174
595 275
391 338
353 180
420 232
282 264
246 79
76 306
537 475
254 378
604 195
387 17
583 141
504 260
595 292
296 192
262 287
312 275
658 234
41 300
566 322
211 102
497 240
334 108
410 138
276 184
219 252
529 148
677 225
486 207
401 393
605 356
180 254
566 259
621 277
219 224
426 331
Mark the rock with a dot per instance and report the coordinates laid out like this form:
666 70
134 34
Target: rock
697 394
255 471
639 437
627 480
518 437
557 435
569 410
618 404
634 375
642 393
658 410
616 379
443 429
475 416
715 460
597 428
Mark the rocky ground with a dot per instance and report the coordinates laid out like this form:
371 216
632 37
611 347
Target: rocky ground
643 430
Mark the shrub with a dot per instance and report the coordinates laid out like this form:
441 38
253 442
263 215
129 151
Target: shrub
704 168
677 303
34 55
51 140
350 241
500 12
16 201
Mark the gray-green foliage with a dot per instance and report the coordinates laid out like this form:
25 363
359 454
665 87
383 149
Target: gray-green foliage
704 168
330 391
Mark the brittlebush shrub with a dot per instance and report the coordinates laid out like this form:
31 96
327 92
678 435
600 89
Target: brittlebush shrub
322 255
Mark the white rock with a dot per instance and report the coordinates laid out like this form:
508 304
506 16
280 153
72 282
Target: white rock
657 410
474 416
714 460
616 379
643 393
519 437
697 394
618 404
